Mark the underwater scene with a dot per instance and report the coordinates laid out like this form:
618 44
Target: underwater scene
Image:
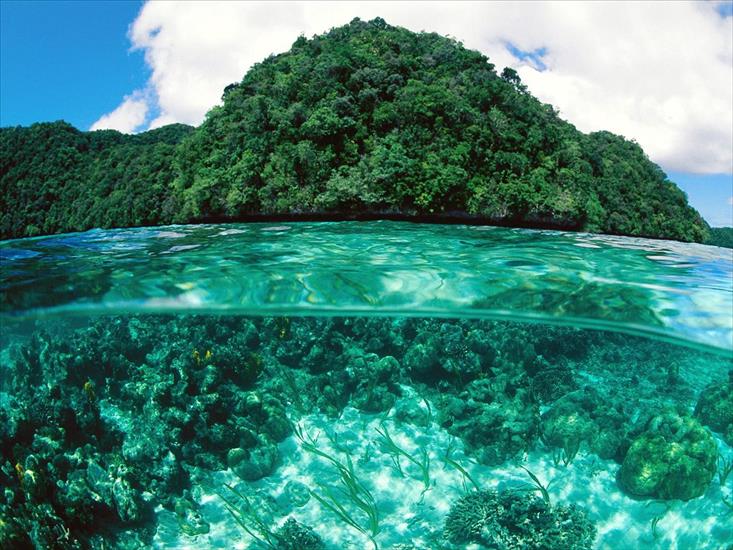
365 385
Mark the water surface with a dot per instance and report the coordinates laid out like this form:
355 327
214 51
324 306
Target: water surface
676 290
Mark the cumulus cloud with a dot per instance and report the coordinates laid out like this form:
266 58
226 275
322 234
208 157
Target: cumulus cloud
127 117
656 72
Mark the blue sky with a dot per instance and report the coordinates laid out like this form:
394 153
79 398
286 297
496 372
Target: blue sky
75 61
66 60
711 194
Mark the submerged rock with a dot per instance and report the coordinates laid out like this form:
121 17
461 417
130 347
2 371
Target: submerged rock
377 387
267 415
412 410
126 501
566 426
447 350
675 458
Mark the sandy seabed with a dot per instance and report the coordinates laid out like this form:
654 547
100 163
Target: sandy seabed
411 517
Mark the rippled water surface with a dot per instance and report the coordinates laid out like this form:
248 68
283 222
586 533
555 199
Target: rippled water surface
668 288
364 385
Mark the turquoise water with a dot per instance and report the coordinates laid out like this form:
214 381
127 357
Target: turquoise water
364 385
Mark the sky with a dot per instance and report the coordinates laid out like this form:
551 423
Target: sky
660 73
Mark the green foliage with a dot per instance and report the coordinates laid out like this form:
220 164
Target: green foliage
291 536
466 477
720 236
367 118
245 513
395 451
542 489
654 523
351 496
54 178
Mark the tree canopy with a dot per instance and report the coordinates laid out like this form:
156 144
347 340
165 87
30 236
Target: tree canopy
54 178
721 236
367 118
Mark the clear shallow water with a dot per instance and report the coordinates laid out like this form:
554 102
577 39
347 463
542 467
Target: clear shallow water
681 291
199 387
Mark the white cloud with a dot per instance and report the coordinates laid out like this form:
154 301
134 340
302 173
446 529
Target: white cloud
659 73
127 117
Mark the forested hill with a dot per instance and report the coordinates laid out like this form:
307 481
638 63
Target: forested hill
365 119
54 178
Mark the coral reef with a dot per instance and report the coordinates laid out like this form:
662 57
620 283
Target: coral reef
569 423
190 520
495 421
600 418
514 520
104 420
675 458
296 536
715 408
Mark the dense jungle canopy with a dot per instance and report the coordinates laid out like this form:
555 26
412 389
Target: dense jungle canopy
367 119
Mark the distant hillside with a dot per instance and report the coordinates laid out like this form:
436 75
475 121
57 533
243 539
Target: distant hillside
365 119
54 178
721 236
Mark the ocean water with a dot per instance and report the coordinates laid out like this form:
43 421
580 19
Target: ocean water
362 385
